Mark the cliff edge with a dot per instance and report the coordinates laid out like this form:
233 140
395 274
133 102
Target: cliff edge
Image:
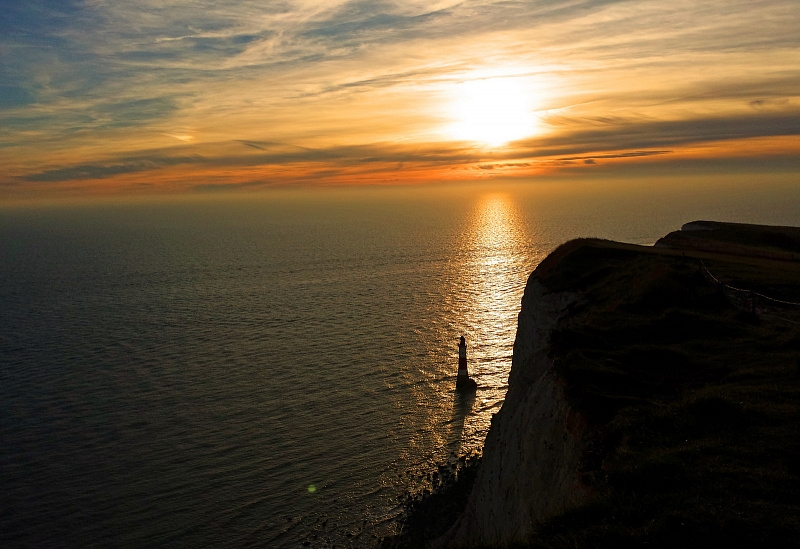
645 405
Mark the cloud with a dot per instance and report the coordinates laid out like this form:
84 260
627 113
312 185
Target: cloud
634 135
632 154
95 89
104 171
623 140
269 155
220 187
253 145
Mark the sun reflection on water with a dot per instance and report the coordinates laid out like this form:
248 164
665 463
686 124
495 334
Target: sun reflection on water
489 271
494 269
480 285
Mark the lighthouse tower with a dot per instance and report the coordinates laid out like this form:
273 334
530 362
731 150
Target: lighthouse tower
462 358
463 381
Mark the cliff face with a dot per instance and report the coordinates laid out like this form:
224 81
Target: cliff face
534 447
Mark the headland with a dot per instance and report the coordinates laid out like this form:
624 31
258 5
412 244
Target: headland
653 400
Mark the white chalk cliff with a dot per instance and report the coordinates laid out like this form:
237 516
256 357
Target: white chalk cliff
532 454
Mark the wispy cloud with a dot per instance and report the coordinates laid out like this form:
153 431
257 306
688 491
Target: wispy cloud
617 135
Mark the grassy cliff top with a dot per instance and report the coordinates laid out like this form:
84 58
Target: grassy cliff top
737 238
691 392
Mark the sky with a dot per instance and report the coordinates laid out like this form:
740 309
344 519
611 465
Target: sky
180 96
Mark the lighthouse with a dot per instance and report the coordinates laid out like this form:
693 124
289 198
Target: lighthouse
463 381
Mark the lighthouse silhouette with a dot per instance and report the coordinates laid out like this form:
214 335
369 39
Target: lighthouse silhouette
463 381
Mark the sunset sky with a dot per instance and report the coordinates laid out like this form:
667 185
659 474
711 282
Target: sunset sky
146 96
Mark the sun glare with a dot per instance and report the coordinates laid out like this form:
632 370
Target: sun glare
492 111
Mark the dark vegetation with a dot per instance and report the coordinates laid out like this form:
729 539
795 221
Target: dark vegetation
691 399
738 239
692 402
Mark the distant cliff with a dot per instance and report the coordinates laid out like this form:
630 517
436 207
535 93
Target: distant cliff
644 405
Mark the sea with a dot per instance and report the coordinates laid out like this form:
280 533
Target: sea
278 369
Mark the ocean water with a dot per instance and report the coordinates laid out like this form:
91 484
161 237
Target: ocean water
279 369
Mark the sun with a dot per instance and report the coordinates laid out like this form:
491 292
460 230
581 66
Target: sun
492 111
